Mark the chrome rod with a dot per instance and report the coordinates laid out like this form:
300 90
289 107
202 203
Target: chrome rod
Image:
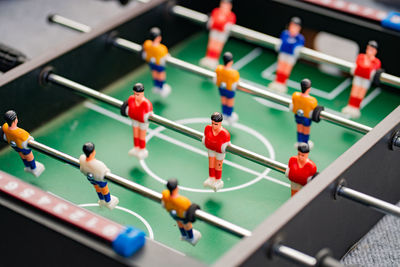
369 201
349 124
295 255
244 87
59 80
69 23
144 191
272 42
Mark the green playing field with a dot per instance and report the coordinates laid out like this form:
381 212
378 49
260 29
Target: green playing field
251 191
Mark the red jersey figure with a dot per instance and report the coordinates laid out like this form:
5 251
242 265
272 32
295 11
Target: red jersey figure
18 139
300 168
216 139
221 20
366 66
139 109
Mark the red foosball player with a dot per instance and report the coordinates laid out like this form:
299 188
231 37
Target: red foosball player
18 139
139 109
227 80
155 53
216 139
291 42
367 66
95 170
306 110
300 168
181 210
221 20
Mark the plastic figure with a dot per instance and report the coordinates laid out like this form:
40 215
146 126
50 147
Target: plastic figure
95 170
139 109
221 20
18 139
300 168
182 210
306 109
216 139
291 43
227 80
366 70
155 53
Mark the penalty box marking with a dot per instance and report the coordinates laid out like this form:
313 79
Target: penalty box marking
127 121
268 75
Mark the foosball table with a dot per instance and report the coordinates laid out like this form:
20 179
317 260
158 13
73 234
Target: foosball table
76 92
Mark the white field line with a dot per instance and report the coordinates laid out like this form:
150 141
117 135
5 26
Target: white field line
166 138
247 58
268 74
370 97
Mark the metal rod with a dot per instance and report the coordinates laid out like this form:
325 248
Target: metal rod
59 80
71 24
295 255
369 201
144 191
272 42
247 88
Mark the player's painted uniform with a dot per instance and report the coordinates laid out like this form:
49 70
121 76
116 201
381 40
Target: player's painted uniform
97 168
219 26
155 55
288 50
365 71
299 176
226 81
180 204
216 144
303 107
139 113
17 138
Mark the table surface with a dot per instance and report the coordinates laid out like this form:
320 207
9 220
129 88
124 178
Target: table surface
251 191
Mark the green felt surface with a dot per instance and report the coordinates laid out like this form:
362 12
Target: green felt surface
252 193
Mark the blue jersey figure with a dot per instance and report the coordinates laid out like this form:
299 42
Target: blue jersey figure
291 42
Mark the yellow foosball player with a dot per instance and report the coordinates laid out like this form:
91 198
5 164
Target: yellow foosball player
306 110
18 139
227 80
181 210
155 53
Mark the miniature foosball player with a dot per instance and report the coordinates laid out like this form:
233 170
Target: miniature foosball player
227 80
221 20
181 210
367 70
18 139
139 109
95 170
300 169
291 43
216 139
155 53
306 110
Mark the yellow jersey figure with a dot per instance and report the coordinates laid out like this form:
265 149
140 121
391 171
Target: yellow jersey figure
305 109
182 210
227 80
155 53
18 139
